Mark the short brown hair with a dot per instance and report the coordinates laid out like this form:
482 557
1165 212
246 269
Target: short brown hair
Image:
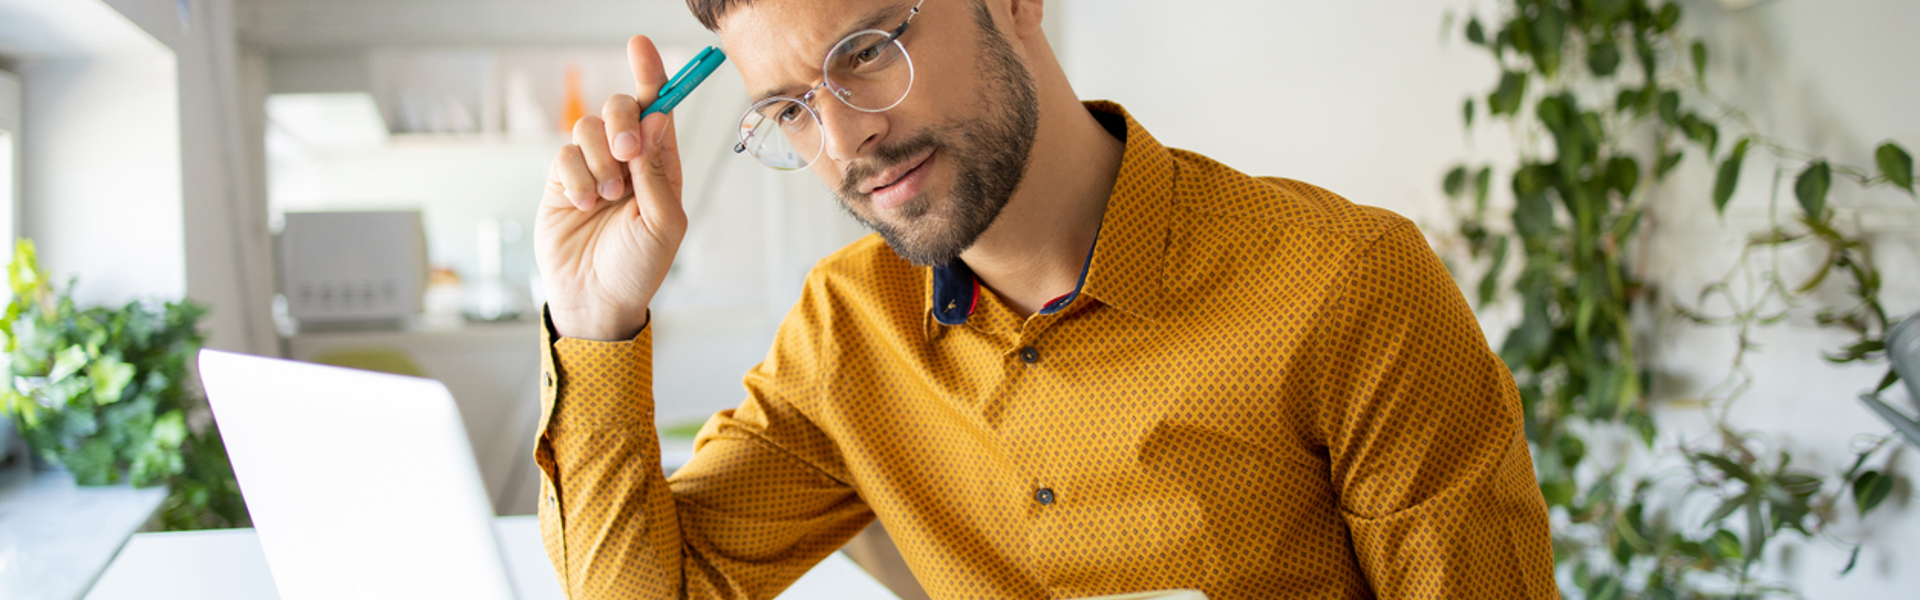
709 11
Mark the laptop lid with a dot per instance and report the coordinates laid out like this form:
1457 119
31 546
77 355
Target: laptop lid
360 484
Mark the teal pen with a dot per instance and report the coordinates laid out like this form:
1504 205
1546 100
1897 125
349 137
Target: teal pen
689 77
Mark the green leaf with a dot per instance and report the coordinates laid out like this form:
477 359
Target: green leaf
1549 34
1623 174
1558 492
1725 508
1896 165
1799 484
1856 351
1603 58
1669 16
1643 425
69 361
1700 62
1888 381
1870 489
1490 282
1649 62
1702 131
1505 99
1725 465
1756 528
1571 449
92 463
1553 111
1853 559
1670 107
1455 182
1482 187
1466 112
1626 99
1606 588
1811 189
1729 175
110 377
170 429
1475 32
1667 163
1726 545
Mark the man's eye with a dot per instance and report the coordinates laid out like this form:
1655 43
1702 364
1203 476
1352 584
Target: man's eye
788 114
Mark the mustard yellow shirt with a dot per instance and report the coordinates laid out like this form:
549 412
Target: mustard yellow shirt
1260 391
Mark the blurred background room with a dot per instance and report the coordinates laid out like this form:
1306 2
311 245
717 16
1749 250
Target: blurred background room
352 182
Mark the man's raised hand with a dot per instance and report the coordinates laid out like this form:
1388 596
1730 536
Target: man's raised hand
610 219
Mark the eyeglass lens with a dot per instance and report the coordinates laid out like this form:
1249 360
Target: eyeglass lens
868 71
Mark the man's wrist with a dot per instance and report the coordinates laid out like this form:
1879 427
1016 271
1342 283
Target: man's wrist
608 328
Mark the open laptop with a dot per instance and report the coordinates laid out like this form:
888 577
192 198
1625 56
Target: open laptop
360 484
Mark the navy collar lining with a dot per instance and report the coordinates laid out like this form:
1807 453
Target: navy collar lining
956 291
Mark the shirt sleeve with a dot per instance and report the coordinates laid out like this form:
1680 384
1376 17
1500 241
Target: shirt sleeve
756 507
1425 437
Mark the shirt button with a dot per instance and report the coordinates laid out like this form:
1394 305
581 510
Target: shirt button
1030 355
1044 496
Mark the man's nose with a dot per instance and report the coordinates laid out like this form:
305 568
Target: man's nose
851 133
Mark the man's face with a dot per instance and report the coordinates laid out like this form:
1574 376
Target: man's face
931 174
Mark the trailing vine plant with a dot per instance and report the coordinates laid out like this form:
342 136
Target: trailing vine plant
1604 97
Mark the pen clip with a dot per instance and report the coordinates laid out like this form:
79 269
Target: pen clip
687 69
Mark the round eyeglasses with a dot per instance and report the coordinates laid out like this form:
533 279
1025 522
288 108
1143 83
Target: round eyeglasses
868 71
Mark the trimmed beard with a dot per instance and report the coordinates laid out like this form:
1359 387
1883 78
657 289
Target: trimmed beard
990 153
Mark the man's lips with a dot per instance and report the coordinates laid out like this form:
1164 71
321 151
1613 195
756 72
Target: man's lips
895 174
898 185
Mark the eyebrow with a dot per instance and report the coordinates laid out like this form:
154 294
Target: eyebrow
873 21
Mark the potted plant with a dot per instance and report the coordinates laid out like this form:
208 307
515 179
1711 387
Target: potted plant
102 392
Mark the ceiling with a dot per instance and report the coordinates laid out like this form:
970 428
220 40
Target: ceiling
306 26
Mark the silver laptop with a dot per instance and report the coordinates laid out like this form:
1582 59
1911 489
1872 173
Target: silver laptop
361 485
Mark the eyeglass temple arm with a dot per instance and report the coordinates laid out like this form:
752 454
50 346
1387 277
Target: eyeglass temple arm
902 29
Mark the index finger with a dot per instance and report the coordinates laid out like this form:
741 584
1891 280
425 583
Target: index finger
648 74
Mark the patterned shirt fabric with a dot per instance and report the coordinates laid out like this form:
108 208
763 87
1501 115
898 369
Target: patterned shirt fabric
1260 390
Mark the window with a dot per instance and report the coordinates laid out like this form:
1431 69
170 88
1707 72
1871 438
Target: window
9 160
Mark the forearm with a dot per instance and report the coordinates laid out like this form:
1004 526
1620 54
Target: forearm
607 516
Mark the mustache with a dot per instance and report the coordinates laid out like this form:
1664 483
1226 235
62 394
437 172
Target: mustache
885 157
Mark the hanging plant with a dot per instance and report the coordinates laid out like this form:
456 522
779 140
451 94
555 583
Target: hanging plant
1604 97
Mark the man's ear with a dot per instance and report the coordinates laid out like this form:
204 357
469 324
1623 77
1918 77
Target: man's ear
1027 15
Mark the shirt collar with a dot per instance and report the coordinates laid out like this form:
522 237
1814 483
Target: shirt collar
1126 266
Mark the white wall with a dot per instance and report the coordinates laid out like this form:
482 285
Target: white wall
1364 98
223 223
101 177
136 173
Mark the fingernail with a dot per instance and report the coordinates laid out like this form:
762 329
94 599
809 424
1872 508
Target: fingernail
625 144
610 189
580 198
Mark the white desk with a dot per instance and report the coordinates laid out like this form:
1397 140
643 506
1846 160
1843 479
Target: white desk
228 564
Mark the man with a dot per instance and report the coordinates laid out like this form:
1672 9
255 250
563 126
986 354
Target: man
1071 363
